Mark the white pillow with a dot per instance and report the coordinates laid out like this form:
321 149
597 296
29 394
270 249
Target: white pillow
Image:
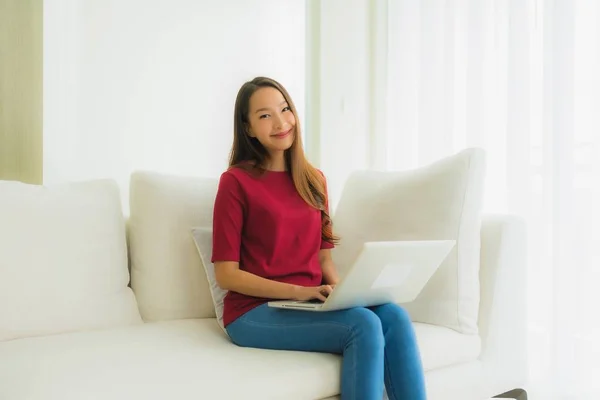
166 274
63 259
439 201
203 240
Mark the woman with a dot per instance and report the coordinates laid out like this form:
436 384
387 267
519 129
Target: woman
272 239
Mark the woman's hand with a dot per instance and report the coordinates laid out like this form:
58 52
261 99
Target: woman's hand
313 292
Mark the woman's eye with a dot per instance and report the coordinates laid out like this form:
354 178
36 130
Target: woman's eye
264 116
286 109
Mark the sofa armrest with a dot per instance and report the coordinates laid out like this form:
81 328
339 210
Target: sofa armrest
503 304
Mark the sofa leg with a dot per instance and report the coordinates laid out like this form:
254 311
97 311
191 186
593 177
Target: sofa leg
517 394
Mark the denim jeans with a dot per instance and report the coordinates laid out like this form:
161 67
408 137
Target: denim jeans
378 345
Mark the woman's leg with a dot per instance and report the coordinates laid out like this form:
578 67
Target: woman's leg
355 333
404 377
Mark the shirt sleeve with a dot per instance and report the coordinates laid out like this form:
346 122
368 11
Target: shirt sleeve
228 219
325 245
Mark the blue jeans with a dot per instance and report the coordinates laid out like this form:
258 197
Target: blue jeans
378 345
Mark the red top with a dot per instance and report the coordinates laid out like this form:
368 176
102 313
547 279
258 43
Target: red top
263 223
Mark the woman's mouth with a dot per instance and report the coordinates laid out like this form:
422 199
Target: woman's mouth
282 135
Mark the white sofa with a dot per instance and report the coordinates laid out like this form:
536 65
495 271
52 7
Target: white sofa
72 329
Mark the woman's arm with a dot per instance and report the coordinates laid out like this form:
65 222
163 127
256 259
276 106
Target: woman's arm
330 275
230 277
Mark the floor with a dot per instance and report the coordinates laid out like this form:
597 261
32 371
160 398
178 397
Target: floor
542 394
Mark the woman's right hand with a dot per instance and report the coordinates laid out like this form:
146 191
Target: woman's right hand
313 292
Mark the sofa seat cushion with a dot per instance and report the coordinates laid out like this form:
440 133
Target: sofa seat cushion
184 359
442 347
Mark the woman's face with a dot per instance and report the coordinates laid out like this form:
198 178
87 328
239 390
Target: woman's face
271 120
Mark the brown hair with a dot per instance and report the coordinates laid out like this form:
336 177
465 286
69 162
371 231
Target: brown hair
248 153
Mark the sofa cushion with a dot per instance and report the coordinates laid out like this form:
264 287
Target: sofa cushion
439 201
166 272
203 240
442 347
185 359
63 259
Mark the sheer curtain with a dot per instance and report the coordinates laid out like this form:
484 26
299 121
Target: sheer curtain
520 78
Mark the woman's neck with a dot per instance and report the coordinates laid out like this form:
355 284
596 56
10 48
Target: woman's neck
276 162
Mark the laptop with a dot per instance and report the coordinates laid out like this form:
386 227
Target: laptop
383 272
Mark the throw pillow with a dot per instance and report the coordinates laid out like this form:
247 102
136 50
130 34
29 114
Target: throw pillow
63 259
203 241
441 201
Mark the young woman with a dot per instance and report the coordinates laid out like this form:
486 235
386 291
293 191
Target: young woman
272 238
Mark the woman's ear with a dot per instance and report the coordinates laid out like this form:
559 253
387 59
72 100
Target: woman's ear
248 130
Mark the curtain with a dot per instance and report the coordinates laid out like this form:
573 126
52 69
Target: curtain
520 78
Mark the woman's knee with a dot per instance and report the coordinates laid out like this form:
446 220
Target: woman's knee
392 315
397 312
366 324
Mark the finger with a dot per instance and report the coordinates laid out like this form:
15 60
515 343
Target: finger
326 289
319 296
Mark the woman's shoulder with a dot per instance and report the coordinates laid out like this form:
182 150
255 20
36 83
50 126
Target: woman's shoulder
230 176
239 174
233 183
232 172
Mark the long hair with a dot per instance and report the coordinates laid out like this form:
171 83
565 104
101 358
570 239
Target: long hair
248 153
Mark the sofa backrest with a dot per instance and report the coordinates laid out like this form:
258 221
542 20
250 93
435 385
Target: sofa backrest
166 271
63 259
440 201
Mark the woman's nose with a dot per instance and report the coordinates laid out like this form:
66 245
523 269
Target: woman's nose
281 123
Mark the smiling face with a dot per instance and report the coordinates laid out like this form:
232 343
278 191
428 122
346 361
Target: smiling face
271 120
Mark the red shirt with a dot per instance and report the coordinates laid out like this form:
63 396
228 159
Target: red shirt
263 223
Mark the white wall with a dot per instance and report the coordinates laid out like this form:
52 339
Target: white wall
151 84
339 90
